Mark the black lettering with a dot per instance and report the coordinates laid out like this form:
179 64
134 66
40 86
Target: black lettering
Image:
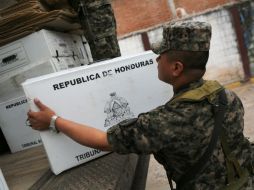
104 73
79 81
122 69
137 65
55 86
83 79
87 154
76 81
93 153
97 76
73 82
29 144
92 77
110 72
131 66
61 85
127 67
16 104
66 83
117 70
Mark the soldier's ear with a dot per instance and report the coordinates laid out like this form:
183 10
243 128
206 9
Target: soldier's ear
177 68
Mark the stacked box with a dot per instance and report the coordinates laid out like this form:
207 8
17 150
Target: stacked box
40 53
99 95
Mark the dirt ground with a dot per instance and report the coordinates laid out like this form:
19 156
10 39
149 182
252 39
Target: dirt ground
157 179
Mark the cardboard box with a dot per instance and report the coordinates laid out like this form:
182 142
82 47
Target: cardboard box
15 126
99 95
36 48
7 3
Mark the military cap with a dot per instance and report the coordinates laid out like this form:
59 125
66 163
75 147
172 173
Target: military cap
184 36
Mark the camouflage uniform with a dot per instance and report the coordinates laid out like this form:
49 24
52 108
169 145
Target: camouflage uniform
98 21
179 132
184 36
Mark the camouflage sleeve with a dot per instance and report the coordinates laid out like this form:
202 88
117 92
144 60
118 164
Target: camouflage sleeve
146 134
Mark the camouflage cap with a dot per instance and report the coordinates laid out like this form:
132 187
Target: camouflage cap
184 36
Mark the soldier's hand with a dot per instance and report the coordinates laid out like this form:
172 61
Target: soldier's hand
40 120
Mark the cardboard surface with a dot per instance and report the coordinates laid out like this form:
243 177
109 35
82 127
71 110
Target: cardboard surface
7 3
25 17
99 95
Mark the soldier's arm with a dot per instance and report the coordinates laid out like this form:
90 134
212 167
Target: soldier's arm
82 134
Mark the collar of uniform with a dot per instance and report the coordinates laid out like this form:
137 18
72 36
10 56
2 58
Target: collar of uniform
188 87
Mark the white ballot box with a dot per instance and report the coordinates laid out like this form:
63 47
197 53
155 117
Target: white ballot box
100 95
11 88
15 126
37 47
14 106
3 184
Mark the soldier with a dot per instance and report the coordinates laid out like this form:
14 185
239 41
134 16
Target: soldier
98 22
197 135
99 25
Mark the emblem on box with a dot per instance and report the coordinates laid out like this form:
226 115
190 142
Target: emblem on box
117 110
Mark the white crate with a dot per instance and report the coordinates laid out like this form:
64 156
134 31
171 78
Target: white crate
90 94
12 120
84 49
36 48
11 88
15 127
3 184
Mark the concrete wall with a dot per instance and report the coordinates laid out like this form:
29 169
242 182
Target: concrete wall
131 45
224 63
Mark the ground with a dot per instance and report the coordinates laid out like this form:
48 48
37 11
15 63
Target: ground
157 179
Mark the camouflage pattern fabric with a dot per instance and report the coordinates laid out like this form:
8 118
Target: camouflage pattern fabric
184 36
98 21
178 134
